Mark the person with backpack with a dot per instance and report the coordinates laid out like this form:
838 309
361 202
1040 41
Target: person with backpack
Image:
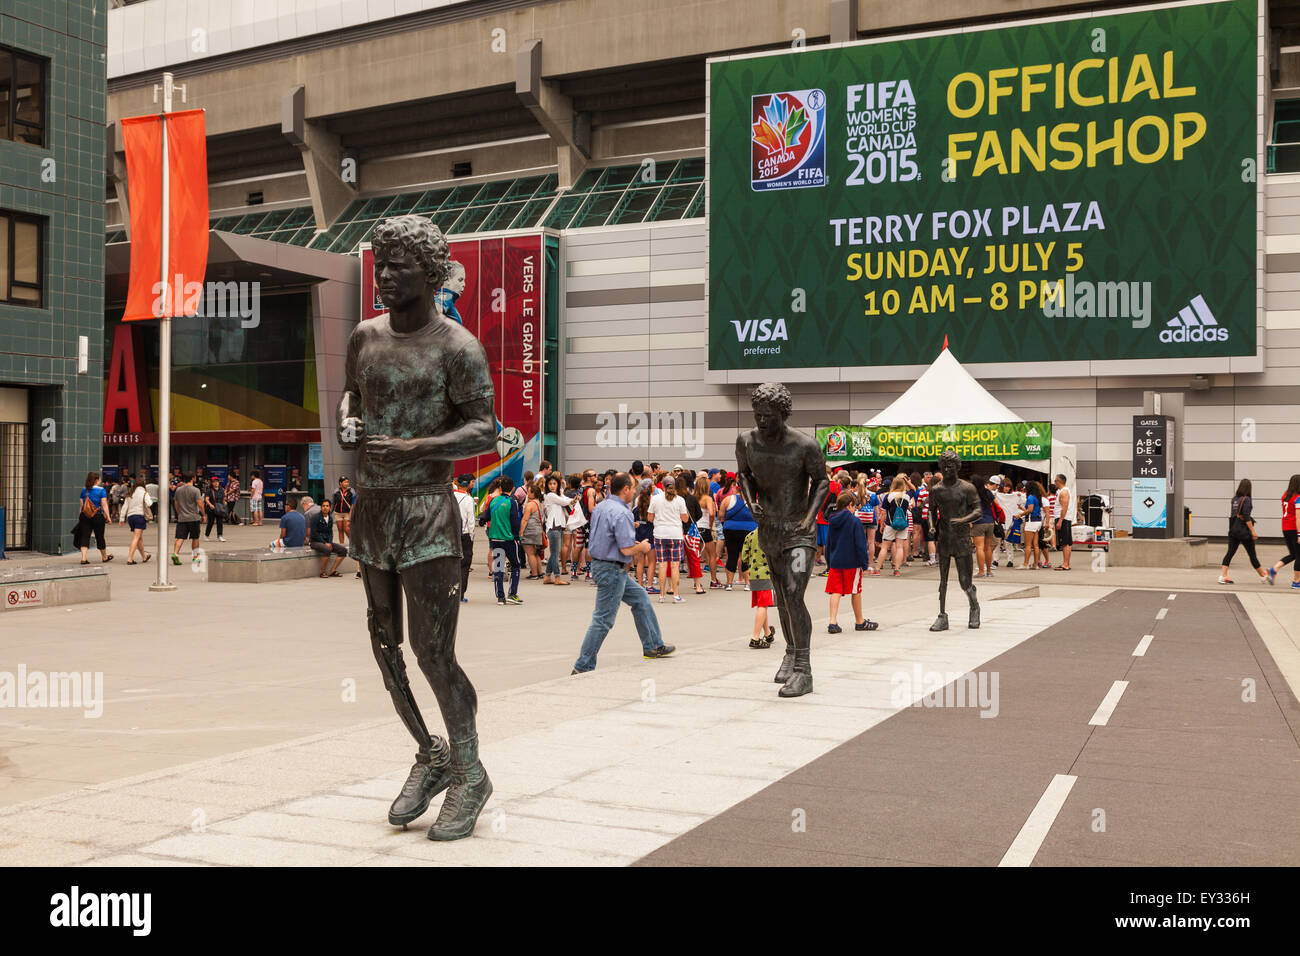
737 523
134 515
823 515
214 503
92 519
846 556
503 521
1242 533
982 531
897 505
754 561
1290 501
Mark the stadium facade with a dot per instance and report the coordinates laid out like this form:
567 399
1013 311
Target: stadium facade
586 124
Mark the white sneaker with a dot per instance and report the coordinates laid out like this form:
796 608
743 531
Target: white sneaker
746 587
221 537
677 599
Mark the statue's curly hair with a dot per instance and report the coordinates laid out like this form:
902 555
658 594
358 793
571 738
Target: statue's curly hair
772 394
421 238
948 455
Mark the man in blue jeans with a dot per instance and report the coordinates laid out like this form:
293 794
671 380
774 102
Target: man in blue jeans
611 540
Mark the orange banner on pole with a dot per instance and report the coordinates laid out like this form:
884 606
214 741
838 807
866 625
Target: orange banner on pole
188 210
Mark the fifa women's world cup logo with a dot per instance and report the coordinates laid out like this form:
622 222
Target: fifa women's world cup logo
788 140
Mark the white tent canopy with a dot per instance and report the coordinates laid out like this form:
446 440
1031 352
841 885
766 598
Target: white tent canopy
947 394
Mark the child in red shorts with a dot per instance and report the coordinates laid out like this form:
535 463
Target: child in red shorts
846 556
754 561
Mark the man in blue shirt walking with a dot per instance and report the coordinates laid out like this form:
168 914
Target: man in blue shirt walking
611 540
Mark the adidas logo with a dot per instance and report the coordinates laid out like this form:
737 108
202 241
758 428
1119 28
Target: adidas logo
1194 323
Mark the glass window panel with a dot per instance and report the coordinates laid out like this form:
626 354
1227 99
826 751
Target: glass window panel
532 211
20 294
226 223
463 195
470 220
689 171
633 205
352 212
303 236
432 200
30 93
326 238
696 210
595 210
248 223
673 203
616 177
523 188
491 192
271 221
374 208
356 232
587 181
501 216
403 204
298 217
564 209
655 175
6 93
548 186
27 244
4 257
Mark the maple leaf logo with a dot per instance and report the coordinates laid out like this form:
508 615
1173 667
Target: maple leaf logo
778 128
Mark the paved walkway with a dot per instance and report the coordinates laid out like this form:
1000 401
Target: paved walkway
602 768
226 741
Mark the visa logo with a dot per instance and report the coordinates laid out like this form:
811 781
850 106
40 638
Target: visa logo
760 330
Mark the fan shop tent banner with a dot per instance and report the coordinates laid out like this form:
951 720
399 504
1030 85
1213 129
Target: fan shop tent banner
1080 189
1001 441
187 205
502 306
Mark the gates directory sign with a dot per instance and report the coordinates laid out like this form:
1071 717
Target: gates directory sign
1079 189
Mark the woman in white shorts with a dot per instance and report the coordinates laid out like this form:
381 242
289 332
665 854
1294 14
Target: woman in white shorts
1032 522
895 539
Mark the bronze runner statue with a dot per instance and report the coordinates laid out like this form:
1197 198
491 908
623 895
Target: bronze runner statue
954 507
782 475
417 395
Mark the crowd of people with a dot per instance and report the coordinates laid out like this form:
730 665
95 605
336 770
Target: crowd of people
697 526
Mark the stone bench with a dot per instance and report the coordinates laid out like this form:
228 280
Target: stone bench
261 565
1128 552
49 585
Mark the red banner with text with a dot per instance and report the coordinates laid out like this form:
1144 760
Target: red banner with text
502 305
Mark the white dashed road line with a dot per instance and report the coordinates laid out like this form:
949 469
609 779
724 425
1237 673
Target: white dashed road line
1141 649
1025 846
1108 703
1160 614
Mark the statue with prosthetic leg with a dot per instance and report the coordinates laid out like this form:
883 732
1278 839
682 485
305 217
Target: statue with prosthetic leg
417 396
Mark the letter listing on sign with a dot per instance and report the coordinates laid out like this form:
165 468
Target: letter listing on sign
503 306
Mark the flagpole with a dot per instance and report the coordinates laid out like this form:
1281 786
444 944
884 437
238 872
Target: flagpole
163 553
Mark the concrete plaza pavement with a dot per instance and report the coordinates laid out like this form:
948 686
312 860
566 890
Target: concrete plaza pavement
231 734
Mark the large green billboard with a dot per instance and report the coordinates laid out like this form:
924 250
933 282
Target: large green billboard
1079 189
